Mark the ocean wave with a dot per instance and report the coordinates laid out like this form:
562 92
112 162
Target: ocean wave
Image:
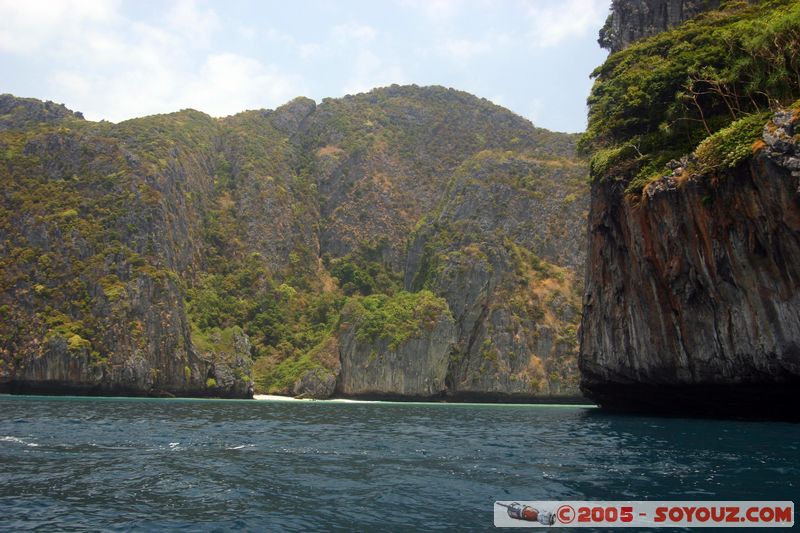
18 440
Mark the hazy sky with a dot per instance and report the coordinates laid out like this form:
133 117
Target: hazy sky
115 59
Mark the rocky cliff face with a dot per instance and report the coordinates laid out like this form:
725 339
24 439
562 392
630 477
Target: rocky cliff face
187 255
94 231
383 367
691 300
414 183
693 296
631 20
493 251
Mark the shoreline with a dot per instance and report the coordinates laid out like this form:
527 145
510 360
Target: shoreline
56 389
274 398
567 401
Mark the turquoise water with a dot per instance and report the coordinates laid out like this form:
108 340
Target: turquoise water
153 464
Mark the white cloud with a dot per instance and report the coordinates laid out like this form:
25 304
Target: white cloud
309 50
499 99
305 50
554 23
247 33
72 82
224 84
353 31
191 20
436 10
109 67
31 25
369 72
278 36
535 110
229 83
118 60
462 50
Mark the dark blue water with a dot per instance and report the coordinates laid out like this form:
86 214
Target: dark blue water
145 464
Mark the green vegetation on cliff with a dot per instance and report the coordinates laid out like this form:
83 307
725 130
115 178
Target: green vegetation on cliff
70 208
363 271
505 248
397 318
184 253
663 96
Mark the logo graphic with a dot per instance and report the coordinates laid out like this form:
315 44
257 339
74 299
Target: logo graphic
527 513
572 514
565 514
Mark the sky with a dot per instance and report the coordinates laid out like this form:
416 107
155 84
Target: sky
115 59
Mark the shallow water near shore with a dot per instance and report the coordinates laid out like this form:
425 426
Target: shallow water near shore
69 463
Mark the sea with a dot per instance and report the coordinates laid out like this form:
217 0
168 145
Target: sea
138 464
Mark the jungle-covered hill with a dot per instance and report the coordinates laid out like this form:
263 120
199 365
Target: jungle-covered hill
410 241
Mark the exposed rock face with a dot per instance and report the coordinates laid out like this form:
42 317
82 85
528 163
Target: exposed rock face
321 382
152 355
181 254
459 197
692 300
631 20
490 252
416 368
20 112
94 235
316 383
384 159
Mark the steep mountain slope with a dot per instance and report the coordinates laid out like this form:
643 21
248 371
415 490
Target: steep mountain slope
504 250
691 300
98 224
294 248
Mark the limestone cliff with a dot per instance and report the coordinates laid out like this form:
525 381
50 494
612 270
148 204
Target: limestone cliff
691 303
693 297
503 250
96 224
182 254
393 362
632 20
431 189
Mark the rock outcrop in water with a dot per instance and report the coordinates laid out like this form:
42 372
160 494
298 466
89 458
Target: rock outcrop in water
692 301
181 254
386 364
693 298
